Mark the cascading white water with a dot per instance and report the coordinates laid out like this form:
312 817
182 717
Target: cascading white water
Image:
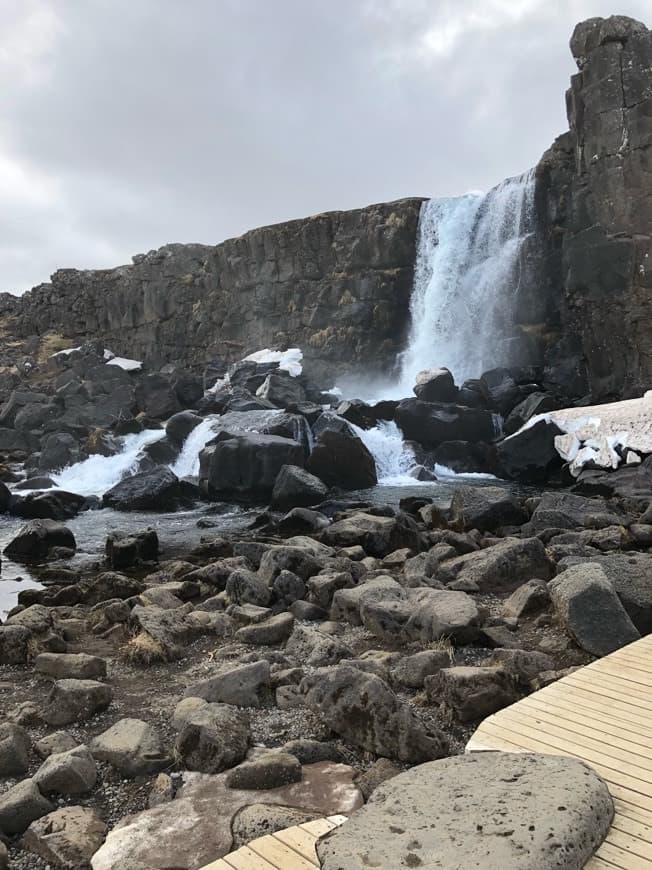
187 463
97 474
393 458
466 276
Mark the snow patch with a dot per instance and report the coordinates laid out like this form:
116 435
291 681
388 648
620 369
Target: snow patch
289 360
129 365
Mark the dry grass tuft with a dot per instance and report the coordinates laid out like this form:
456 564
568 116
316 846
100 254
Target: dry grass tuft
143 649
445 645
51 343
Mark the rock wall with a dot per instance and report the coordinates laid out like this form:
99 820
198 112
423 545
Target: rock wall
337 285
604 203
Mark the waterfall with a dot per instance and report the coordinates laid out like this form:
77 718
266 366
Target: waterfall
393 458
97 474
466 276
187 462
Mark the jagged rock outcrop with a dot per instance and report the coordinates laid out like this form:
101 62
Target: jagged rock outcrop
337 285
595 193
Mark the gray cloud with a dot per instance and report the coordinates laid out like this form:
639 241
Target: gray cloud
126 124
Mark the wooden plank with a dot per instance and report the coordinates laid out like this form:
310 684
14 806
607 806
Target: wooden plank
593 740
596 863
301 841
586 699
628 843
631 692
246 859
627 671
279 855
572 713
606 767
318 827
610 689
622 858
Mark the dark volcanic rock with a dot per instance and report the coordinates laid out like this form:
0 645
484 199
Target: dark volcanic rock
429 423
340 459
37 538
435 385
246 465
296 487
156 490
530 454
125 549
348 274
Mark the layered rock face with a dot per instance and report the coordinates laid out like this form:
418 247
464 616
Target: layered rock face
337 285
595 192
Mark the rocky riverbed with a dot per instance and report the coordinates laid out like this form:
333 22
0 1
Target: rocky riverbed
250 605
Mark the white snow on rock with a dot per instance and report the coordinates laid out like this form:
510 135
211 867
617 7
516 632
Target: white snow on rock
65 352
289 360
600 434
129 365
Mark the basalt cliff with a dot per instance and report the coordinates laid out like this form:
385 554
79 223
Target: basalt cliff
339 284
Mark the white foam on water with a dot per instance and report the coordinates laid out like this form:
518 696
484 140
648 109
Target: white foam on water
392 456
187 463
97 474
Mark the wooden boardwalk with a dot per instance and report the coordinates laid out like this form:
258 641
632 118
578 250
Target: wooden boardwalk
290 849
601 714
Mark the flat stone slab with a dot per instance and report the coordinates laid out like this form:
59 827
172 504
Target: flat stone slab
195 828
510 811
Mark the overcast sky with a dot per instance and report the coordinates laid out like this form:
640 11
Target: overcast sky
127 124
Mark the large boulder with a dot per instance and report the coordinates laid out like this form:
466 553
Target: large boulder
70 772
296 487
631 576
553 813
362 709
469 693
430 423
126 549
501 567
341 459
499 389
530 454
155 490
14 749
211 737
587 606
245 685
246 464
180 425
20 806
564 510
57 505
68 837
435 385
156 397
485 508
76 700
36 538
422 615
132 747
76 666
281 389
378 536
